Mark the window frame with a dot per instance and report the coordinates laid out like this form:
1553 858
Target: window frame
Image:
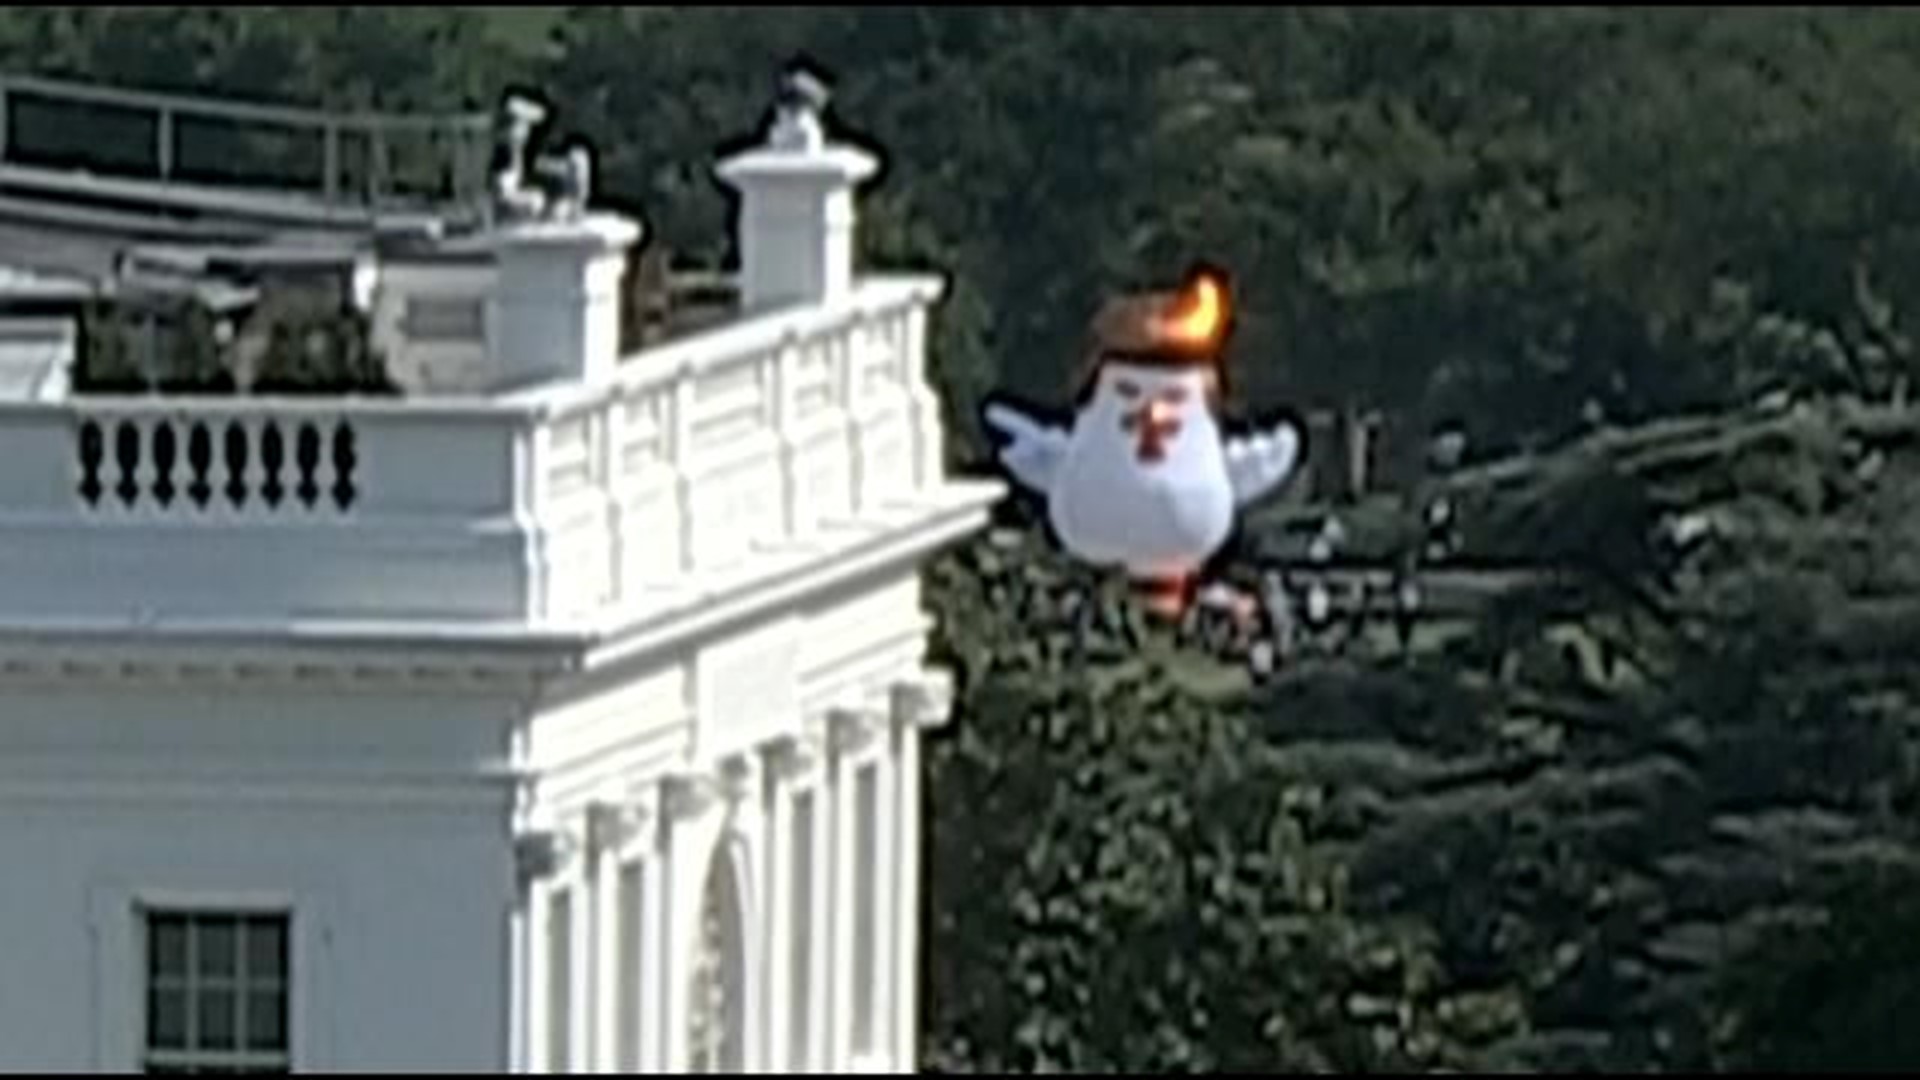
192 1059
116 925
436 318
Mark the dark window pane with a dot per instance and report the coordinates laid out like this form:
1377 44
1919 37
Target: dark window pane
166 945
167 1019
218 951
219 1027
167 1070
266 948
266 1020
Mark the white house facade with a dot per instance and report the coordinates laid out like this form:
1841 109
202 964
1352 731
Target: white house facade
562 714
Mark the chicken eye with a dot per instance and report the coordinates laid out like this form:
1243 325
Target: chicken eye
1126 389
1174 395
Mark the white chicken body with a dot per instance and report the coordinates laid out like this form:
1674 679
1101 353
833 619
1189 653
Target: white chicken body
1143 482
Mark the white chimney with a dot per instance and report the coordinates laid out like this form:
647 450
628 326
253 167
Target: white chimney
796 229
555 309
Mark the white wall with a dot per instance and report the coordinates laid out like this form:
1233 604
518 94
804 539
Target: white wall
373 816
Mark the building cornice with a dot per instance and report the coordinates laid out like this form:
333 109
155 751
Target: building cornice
925 702
937 524
341 655
342 788
336 656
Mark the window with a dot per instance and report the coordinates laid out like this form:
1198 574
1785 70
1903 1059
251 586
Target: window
217 988
800 937
866 855
631 940
559 980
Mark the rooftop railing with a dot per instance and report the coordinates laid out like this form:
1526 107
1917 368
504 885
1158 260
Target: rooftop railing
365 161
554 502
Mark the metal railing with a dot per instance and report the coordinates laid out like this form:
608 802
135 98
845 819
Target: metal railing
458 145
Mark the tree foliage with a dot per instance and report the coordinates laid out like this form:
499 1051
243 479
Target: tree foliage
1597 830
1517 218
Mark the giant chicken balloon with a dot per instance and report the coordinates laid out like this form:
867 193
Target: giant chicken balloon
1145 478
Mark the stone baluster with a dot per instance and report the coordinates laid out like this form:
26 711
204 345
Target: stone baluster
143 473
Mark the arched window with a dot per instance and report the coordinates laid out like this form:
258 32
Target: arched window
717 1020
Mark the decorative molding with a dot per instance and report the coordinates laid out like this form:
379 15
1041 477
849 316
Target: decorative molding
737 773
744 685
71 780
960 508
542 854
851 730
170 663
686 795
793 755
611 826
926 702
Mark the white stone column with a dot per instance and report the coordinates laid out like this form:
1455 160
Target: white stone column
603 873
548 860
579 881
820 980
789 761
519 953
538 1039
905 908
530 865
850 735
532 853
886 884
914 707
776 870
610 830
655 937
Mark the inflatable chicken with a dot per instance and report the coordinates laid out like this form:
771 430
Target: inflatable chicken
1145 478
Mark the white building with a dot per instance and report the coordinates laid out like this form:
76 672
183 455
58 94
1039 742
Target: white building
561 715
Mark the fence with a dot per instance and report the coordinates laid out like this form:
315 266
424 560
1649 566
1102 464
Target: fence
367 160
